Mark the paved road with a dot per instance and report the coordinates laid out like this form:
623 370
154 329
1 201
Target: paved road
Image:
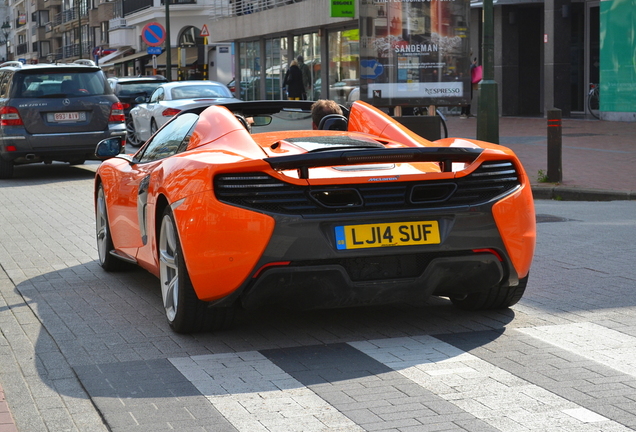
85 350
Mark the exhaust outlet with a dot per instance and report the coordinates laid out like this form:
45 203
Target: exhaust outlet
30 157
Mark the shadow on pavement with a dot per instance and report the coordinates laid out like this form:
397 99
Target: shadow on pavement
109 330
41 173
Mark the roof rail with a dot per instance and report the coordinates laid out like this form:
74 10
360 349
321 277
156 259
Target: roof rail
85 62
11 63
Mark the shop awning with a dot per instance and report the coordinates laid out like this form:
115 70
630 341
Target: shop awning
132 57
109 57
192 55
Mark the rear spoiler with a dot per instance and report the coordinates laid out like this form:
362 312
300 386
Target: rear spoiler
445 155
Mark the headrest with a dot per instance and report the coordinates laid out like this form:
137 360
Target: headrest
333 122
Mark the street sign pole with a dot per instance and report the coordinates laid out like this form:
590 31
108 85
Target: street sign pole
168 46
154 64
205 33
205 58
488 105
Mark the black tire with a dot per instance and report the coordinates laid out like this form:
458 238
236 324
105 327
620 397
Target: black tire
131 136
184 311
499 297
77 161
104 239
6 169
153 127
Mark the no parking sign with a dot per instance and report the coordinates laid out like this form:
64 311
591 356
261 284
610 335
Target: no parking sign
153 34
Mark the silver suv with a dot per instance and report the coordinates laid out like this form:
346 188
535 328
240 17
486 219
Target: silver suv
55 112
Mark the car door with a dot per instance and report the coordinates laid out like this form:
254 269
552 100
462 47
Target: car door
146 176
143 113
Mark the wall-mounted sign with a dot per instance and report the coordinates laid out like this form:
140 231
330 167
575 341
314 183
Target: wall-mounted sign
415 52
343 8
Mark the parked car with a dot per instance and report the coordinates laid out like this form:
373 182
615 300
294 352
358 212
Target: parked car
373 214
55 112
340 91
128 90
170 98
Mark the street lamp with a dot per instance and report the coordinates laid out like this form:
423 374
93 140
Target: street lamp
5 32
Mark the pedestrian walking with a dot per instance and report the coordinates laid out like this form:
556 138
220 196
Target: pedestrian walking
475 77
294 81
304 69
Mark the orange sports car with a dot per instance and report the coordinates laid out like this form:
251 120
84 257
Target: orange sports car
245 205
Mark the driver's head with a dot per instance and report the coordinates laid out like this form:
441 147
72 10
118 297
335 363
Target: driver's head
321 108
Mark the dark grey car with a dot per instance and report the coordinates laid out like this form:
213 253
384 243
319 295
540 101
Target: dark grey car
55 112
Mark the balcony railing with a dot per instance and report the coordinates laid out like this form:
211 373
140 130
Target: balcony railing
67 16
21 49
131 6
74 51
116 23
222 8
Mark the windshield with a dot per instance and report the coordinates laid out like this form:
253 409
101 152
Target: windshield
60 84
200 91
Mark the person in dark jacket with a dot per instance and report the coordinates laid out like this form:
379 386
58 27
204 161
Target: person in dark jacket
294 81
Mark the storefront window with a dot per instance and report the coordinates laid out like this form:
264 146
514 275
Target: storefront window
250 70
276 63
344 64
308 46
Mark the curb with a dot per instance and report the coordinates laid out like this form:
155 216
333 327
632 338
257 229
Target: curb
564 193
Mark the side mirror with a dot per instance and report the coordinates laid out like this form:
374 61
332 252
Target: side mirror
140 99
261 120
110 147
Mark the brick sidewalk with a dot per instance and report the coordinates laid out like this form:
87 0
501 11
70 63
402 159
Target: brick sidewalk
596 154
6 419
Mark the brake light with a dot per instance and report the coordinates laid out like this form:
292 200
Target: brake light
9 116
169 112
125 105
117 113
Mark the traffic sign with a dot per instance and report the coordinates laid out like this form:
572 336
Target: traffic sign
153 50
153 34
204 31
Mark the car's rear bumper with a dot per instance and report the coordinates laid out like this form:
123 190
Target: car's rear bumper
302 267
331 286
21 148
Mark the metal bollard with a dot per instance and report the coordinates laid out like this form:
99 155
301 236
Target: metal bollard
555 167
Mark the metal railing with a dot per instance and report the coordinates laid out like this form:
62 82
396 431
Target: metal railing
116 23
222 8
67 16
73 50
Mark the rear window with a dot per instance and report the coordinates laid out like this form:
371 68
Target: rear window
42 84
199 91
134 89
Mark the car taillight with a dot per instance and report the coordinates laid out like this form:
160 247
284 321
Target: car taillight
169 112
117 113
9 116
125 105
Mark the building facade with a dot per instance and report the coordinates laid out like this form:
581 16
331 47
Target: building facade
547 52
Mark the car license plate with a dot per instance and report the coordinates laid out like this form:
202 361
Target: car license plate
387 234
66 116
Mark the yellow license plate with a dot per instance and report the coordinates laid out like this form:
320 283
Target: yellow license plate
387 234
